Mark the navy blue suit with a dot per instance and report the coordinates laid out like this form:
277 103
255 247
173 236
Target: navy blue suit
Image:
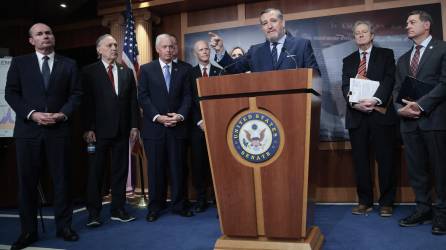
165 147
258 58
25 92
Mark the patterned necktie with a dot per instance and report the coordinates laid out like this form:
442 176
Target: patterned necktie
205 72
166 74
46 72
110 75
363 65
274 55
415 60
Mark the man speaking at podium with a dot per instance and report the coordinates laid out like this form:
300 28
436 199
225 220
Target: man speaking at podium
279 51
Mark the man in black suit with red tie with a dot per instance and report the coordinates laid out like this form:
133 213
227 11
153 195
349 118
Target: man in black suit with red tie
367 127
423 122
110 120
44 91
164 93
199 154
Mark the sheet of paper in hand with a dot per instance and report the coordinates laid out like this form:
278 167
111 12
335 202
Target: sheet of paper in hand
362 89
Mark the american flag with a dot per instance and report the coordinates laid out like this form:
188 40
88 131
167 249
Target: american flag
130 49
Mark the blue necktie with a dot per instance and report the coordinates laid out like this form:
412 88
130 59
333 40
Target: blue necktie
274 55
46 72
166 74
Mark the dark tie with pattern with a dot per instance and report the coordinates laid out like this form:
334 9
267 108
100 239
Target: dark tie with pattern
46 72
415 61
274 55
205 72
363 65
112 78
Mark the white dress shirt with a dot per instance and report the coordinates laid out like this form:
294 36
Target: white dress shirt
115 74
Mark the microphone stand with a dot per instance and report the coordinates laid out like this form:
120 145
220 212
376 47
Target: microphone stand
42 201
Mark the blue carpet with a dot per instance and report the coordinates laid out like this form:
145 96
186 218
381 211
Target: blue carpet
341 229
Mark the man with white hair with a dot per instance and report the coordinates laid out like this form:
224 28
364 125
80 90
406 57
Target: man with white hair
165 97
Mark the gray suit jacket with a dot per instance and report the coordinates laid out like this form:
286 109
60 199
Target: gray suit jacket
432 70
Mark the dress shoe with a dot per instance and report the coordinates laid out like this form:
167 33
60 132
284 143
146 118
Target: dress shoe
24 240
184 213
152 216
416 218
121 215
439 225
201 206
386 211
361 209
93 221
67 234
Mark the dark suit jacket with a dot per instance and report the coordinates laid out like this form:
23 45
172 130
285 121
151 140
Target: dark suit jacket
25 92
154 98
103 111
195 111
258 58
381 68
431 69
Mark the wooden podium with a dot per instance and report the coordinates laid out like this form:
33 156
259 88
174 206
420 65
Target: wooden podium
262 131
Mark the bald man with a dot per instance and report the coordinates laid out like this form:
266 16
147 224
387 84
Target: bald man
44 91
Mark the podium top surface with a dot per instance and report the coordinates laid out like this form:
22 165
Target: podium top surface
259 83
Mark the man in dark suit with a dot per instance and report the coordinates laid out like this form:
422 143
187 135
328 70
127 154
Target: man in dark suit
43 89
280 51
111 119
367 127
200 162
423 121
165 97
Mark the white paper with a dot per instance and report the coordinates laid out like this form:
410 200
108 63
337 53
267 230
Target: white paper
362 89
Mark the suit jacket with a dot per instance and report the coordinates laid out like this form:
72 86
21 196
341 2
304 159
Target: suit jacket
105 112
25 92
154 98
381 68
258 58
196 111
432 70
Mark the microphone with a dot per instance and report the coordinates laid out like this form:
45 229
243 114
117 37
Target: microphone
290 56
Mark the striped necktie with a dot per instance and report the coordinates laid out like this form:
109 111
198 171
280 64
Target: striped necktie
363 65
415 61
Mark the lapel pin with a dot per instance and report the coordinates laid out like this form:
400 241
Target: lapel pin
431 47
121 68
176 69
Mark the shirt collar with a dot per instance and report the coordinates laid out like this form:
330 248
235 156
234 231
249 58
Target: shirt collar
280 41
107 64
163 63
208 66
425 42
369 50
40 55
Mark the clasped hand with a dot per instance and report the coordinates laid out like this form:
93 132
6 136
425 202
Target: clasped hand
410 110
169 120
365 105
46 119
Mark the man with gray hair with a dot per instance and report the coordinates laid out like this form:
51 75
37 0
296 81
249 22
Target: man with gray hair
164 94
367 127
110 117
280 50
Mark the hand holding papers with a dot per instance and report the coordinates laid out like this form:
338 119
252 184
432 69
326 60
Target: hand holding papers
361 89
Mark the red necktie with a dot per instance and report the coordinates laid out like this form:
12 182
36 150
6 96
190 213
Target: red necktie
362 65
110 75
205 72
415 60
